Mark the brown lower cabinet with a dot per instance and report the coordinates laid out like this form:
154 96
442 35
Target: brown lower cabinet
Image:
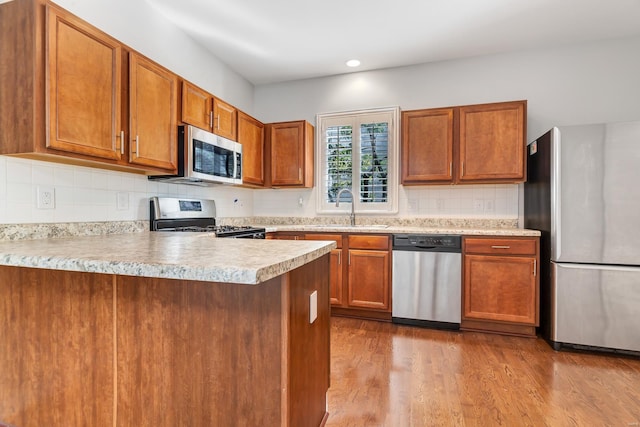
501 286
90 349
360 277
284 235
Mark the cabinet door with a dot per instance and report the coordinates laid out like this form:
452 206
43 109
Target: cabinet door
500 288
291 154
153 114
251 136
336 288
335 278
368 279
492 142
225 119
427 146
84 87
196 106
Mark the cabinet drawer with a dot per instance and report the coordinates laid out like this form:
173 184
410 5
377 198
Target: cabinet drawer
368 242
336 237
507 246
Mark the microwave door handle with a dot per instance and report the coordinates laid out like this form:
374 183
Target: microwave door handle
231 170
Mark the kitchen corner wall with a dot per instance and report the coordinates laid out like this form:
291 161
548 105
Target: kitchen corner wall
585 83
82 194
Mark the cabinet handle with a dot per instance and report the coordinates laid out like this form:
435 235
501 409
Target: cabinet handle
349 257
500 247
535 267
340 258
218 122
211 119
137 145
462 174
300 174
451 169
121 142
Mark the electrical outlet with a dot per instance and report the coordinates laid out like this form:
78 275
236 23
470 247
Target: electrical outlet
45 197
440 205
478 205
414 205
489 206
122 201
313 306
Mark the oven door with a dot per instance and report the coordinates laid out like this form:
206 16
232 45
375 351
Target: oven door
213 158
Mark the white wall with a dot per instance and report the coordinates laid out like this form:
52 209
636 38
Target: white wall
87 194
595 82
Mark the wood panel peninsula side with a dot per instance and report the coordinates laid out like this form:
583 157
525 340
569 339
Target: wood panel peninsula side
92 335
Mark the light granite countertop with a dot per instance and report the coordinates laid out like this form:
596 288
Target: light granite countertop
189 256
393 229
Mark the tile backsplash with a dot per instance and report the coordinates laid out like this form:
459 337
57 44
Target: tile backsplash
460 201
439 201
88 194
83 194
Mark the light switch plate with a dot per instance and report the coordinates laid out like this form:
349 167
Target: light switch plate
313 306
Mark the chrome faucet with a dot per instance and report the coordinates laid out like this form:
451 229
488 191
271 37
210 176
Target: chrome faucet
352 216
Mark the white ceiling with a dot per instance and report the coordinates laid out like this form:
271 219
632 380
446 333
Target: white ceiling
269 41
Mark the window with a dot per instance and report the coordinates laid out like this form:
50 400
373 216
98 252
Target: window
358 150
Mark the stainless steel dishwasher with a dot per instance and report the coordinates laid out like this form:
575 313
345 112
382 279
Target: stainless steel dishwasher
427 280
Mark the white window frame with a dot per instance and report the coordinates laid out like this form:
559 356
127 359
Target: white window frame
355 118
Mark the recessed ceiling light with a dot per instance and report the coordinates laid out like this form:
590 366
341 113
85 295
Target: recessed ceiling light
353 63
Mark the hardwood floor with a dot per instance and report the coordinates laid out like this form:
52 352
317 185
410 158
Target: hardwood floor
400 376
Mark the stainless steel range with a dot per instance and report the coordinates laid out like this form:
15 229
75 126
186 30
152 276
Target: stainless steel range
194 215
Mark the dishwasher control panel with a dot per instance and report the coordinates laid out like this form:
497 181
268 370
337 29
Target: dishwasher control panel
432 242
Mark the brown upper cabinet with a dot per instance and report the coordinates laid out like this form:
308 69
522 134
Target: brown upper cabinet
84 88
197 106
67 101
225 119
290 154
251 136
153 104
203 110
468 144
427 146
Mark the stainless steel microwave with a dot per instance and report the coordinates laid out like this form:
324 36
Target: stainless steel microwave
205 158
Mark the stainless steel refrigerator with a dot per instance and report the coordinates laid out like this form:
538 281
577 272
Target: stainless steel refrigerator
583 194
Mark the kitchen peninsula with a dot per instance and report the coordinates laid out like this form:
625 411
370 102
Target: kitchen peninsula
164 329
